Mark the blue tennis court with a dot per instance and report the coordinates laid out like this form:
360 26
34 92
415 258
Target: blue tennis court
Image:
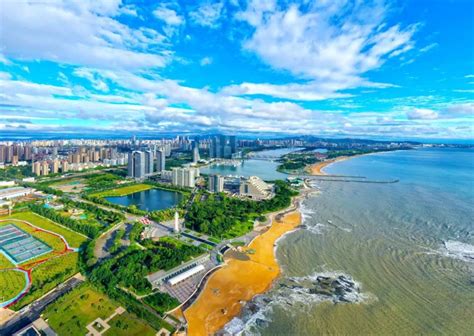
19 246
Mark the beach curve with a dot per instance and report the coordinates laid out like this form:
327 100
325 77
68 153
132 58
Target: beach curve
238 281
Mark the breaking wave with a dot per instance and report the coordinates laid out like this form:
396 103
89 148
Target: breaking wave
458 250
301 292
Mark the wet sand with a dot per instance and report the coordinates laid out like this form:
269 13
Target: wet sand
240 280
317 168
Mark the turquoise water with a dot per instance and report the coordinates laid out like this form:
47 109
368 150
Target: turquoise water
149 200
264 168
408 247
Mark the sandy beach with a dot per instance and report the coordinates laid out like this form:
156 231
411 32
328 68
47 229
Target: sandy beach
317 168
239 280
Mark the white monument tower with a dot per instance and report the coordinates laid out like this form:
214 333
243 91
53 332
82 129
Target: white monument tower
176 222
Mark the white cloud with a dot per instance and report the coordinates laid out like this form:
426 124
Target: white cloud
460 110
422 113
331 45
323 43
93 77
168 15
82 33
205 61
208 14
429 47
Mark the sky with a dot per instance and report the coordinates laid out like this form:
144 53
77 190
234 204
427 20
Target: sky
373 69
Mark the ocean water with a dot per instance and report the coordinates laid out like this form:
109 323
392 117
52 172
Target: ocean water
407 248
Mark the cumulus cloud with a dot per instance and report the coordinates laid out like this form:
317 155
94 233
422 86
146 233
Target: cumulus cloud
205 61
333 44
449 111
168 15
207 14
81 33
420 113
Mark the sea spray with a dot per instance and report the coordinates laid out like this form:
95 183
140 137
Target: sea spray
297 294
458 250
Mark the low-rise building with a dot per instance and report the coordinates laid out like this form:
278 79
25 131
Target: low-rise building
254 187
15 192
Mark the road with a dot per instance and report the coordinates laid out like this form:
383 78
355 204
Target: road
33 311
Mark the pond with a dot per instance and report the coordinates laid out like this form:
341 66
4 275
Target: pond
149 200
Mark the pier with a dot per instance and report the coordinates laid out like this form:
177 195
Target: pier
342 178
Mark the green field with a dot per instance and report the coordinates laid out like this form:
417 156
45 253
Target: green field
71 313
12 282
74 239
4 262
131 189
48 275
127 324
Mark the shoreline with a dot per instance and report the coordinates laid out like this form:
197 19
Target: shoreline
229 288
318 168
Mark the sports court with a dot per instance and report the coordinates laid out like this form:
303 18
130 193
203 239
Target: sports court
19 246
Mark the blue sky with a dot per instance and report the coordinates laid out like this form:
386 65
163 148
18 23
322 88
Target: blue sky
395 69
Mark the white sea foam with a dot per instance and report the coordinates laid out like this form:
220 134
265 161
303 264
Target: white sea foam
316 229
289 293
458 250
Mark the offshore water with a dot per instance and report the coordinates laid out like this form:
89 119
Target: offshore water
408 247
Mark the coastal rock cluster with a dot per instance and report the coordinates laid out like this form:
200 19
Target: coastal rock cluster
290 292
338 288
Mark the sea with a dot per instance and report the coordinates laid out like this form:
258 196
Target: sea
405 251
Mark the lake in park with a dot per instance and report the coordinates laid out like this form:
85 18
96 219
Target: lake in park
149 200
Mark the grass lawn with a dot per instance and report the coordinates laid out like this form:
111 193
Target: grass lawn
74 185
48 275
5 263
12 282
74 239
71 313
128 324
123 191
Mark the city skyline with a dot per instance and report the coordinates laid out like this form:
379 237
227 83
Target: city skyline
376 69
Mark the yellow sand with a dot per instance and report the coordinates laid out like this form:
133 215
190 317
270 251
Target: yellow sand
238 281
317 168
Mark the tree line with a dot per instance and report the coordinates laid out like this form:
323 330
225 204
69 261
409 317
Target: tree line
85 228
219 213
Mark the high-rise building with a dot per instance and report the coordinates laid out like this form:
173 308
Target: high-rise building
149 162
184 177
216 183
3 151
36 168
136 164
160 160
76 158
223 147
233 144
55 166
64 166
44 168
196 154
